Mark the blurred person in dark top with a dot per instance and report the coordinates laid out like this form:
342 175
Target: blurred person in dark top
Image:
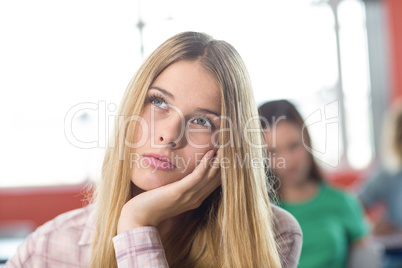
385 186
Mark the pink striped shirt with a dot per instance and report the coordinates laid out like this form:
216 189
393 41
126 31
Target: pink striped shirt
66 242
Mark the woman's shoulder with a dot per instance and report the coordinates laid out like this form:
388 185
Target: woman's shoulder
74 219
62 240
284 222
345 203
288 236
338 195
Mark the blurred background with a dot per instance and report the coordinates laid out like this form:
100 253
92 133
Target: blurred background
339 61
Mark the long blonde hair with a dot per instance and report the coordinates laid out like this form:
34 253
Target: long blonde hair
233 227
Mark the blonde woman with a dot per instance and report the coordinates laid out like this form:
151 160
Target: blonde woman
184 183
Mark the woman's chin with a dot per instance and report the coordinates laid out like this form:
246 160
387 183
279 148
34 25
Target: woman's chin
292 181
149 180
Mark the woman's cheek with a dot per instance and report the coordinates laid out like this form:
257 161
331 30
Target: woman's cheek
194 157
303 154
141 131
304 159
200 139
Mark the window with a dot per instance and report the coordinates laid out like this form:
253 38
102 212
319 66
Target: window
356 82
60 55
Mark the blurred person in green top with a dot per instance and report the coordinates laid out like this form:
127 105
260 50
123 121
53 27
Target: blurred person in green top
331 220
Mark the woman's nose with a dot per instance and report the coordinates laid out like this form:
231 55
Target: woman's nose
169 131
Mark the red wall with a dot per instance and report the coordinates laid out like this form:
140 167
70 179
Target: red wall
394 16
39 204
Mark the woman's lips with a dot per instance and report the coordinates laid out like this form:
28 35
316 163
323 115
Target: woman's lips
159 161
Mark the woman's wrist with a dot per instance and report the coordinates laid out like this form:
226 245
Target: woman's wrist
128 221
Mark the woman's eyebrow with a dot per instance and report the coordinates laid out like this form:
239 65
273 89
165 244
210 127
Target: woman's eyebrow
165 92
206 111
170 95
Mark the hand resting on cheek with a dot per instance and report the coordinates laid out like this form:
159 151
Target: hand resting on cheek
154 206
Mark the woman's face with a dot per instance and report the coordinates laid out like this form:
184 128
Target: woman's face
180 115
288 157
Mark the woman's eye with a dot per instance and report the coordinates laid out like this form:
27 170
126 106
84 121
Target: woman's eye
202 122
159 103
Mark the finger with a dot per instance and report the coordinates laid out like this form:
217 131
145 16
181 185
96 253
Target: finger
204 164
216 180
214 183
215 164
212 168
212 179
198 173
